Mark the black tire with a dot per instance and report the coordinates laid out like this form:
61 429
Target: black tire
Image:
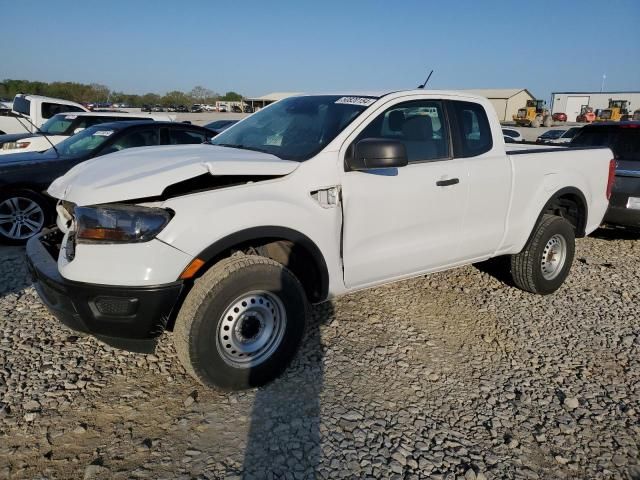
23 197
197 331
527 267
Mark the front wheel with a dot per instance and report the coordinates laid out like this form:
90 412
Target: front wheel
544 263
241 323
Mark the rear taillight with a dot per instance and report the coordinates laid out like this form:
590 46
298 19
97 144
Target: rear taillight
612 177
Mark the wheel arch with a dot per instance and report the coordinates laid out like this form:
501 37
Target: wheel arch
571 204
287 246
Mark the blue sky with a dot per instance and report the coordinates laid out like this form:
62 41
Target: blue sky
256 47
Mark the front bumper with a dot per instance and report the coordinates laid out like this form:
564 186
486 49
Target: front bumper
126 317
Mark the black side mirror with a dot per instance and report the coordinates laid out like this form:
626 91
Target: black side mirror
372 153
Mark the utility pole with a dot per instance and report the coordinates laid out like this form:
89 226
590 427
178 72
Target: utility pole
604 77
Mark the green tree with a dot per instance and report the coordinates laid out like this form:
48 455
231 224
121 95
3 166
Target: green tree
201 94
176 97
232 97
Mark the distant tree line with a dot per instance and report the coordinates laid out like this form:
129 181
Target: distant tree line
97 93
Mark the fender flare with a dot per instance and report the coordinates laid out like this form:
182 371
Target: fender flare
581 227
216 249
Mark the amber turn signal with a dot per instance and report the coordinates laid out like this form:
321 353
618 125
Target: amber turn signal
191 269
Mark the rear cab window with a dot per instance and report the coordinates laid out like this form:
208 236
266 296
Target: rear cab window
471 129
48 110
22 105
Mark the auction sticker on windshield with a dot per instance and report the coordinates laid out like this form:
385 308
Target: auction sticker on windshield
71 117
364 101
103 133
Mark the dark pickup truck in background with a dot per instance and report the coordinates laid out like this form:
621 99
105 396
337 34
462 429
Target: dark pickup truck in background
623 138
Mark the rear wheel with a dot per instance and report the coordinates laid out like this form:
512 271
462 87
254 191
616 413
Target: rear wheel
544 263
241 323
23 214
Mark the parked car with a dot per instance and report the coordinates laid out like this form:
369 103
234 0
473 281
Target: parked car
171 108
157 108
566 137
37 110
558 137
24 177
550 135
313 197
236 109
515 135
623 138
182 109
222 108
63 125
559 117
196 108
248 109
220 125
146 108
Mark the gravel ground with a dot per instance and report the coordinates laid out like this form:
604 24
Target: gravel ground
452 376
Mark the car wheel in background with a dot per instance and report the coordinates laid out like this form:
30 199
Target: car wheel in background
23 214
544 263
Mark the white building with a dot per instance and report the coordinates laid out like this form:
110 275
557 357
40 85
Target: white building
506 101
571 102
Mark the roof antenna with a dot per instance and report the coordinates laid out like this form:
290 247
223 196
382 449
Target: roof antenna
426 81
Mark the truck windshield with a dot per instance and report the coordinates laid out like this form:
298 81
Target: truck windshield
58 124
84 142
296 128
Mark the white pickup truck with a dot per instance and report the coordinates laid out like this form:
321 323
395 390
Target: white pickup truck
38 109
314 196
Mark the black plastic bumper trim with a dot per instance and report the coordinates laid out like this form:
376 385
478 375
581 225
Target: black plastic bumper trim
73 303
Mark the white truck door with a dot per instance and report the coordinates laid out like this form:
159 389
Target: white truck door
489 182
407 220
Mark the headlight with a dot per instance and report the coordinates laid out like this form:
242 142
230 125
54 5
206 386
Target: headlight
14 145
119 223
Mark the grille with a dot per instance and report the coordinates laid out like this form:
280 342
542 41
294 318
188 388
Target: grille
116 306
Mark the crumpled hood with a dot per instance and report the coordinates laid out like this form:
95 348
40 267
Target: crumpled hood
146 172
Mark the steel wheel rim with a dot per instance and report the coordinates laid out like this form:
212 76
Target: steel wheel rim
20 218
251 329
554 256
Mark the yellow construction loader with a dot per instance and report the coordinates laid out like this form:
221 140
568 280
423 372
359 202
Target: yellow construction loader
615 112
533 115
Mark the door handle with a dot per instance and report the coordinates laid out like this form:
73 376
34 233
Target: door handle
446 183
